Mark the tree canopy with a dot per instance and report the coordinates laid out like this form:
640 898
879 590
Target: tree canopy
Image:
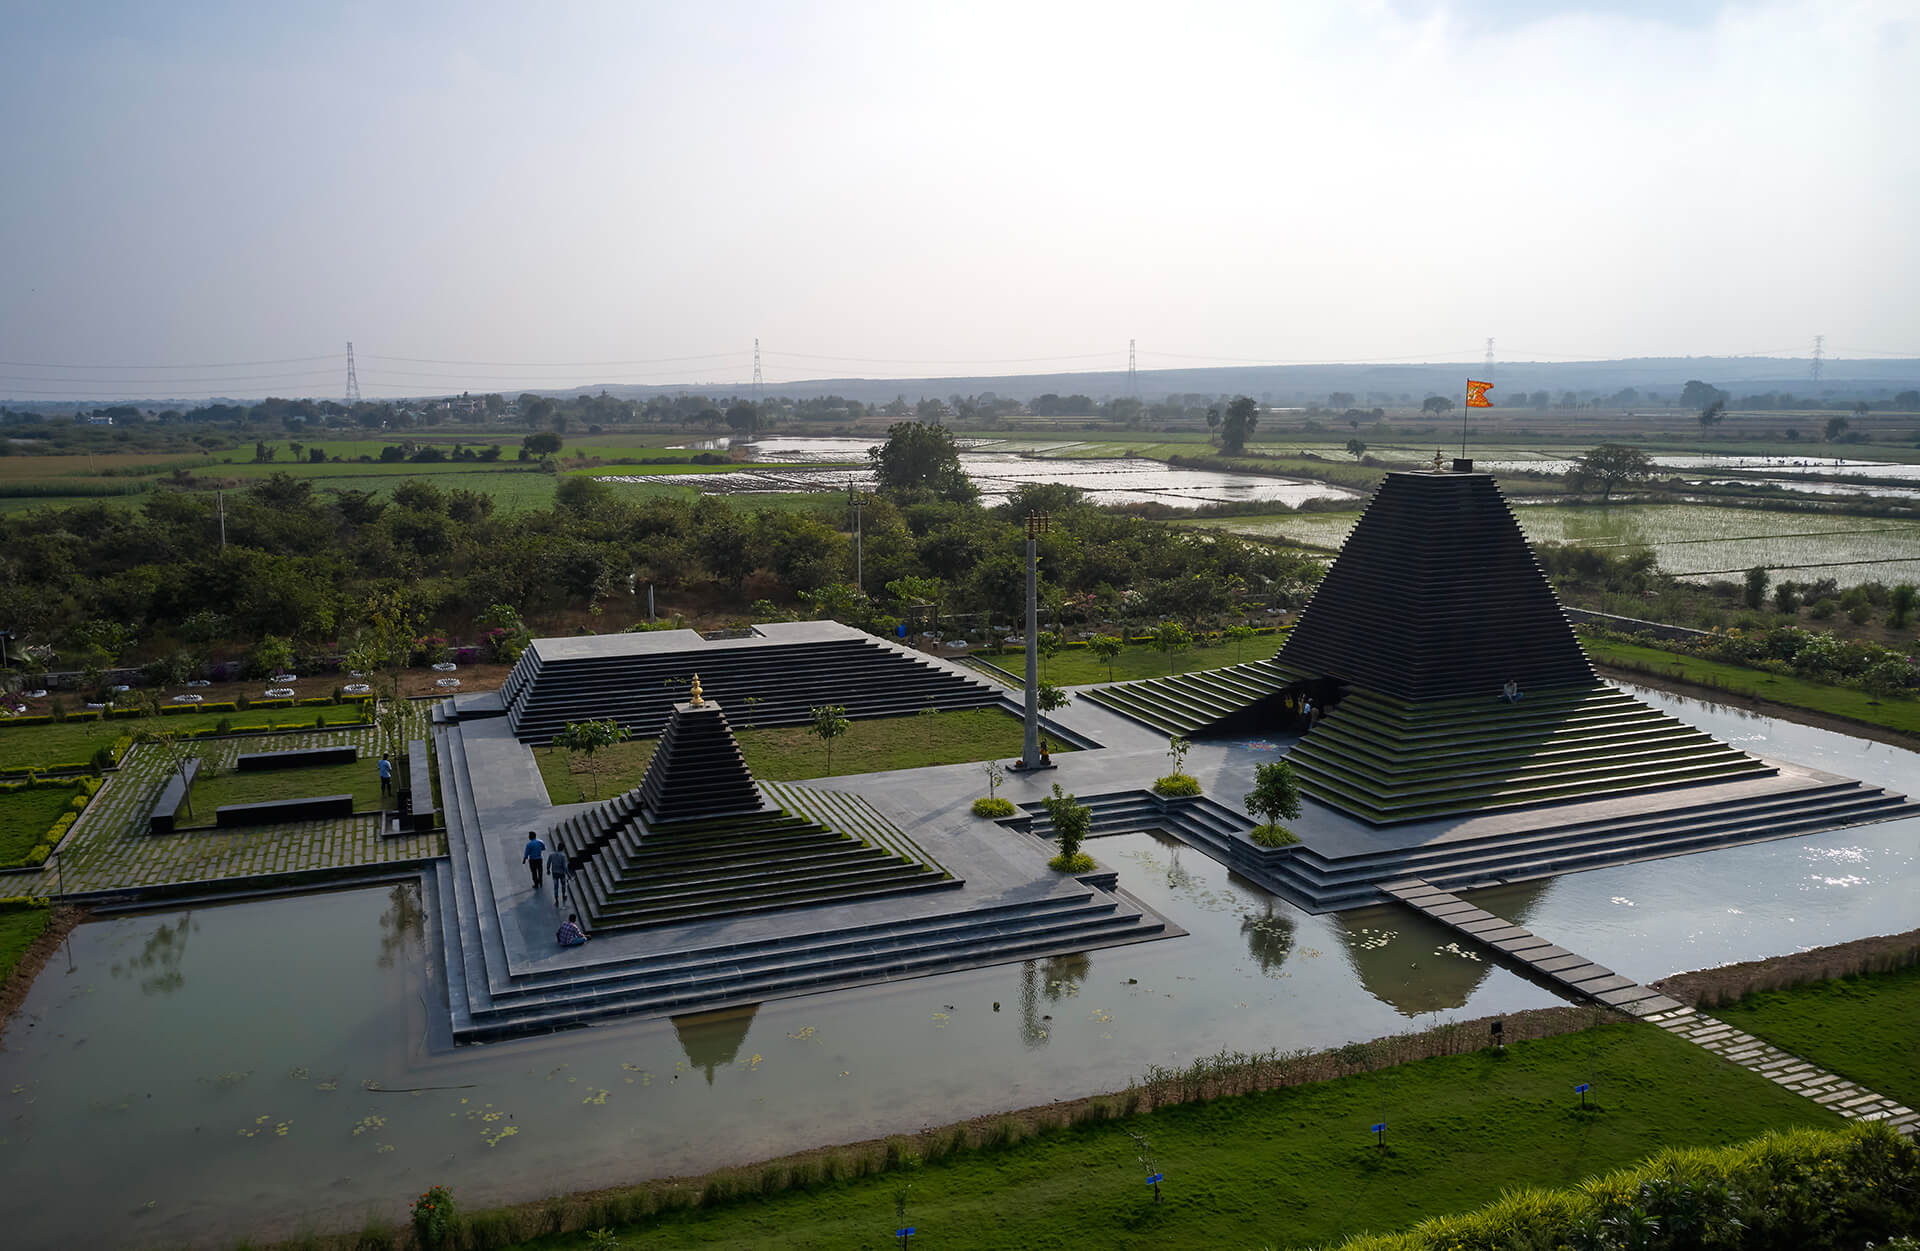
1238 425
1609 466
920 457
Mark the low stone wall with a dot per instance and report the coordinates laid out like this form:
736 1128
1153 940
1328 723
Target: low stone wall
1633 625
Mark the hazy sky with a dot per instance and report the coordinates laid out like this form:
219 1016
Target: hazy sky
891 189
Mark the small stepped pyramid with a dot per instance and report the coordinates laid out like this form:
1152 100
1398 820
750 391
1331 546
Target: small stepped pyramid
696 840
697 772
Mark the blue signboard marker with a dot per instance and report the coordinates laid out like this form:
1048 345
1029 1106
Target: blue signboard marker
1155 1179
903 1233
1581 1089
1380 1128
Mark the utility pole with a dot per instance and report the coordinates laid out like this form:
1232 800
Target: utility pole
1489 362
1133 379
854 503
353 378
1030 749
756 372
221 496
1819 358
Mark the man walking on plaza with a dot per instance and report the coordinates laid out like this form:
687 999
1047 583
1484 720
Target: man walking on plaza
534 854
561 871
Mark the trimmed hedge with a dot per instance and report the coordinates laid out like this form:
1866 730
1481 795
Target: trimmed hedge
85 789
1812 1190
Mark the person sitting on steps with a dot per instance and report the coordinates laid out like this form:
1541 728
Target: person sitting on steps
570 934
1510 692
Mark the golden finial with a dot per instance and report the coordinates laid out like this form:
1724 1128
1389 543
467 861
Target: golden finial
1439 463
697 701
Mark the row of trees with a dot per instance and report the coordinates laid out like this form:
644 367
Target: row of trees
284 560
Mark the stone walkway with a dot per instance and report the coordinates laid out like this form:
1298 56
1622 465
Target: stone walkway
1578 975
109 848
1853 1101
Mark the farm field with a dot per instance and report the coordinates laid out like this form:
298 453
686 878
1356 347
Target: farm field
1690 541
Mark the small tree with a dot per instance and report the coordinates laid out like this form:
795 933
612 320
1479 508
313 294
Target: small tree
1757 579
1144 1145
1048 644
1105 648
1238 636
829 722
1051 699
584 740
1172 638
177 749
993 805
1900 602
1275 794
1072 821
1356 449
1178 782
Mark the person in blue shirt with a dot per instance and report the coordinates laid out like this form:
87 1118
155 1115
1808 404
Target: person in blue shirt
386 775
535 854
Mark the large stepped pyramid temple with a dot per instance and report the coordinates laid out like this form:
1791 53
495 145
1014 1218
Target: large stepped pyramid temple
1446 678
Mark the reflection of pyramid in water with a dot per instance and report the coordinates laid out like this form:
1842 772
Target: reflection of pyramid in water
1412 971
712 1040
1433 606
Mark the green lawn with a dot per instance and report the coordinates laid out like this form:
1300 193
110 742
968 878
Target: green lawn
19 926
1078 667
1839 701
211 789
1865 1028
1292 1167
789 753
25 816
68 742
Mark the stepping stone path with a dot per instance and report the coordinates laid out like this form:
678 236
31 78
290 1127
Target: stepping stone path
1853 1101
1579 976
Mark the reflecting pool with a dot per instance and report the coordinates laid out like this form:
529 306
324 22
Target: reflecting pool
176 1075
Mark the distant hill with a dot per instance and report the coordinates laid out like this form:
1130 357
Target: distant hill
1654 377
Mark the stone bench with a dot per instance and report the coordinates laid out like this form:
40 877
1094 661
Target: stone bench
416 805
249 762
172 796
275 811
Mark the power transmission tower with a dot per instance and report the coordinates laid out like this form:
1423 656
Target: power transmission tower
1133 378
756 371
353 378
1819 357
1489 365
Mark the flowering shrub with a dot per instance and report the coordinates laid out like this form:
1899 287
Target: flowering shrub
433 1216
1813 654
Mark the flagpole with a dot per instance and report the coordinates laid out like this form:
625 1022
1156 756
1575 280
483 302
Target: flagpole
1463 422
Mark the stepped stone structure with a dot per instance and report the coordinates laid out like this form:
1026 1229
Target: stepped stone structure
774 675
1436 596
1448 682
697 771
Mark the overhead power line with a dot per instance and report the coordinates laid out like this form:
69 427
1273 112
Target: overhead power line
291 360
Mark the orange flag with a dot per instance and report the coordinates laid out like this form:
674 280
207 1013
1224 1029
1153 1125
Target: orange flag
1477 394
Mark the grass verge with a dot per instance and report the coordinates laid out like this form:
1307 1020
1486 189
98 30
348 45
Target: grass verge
1863 1028
211 789
789 753
1902 715
19 926
26 815
76 741
1288 1168
1078 667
